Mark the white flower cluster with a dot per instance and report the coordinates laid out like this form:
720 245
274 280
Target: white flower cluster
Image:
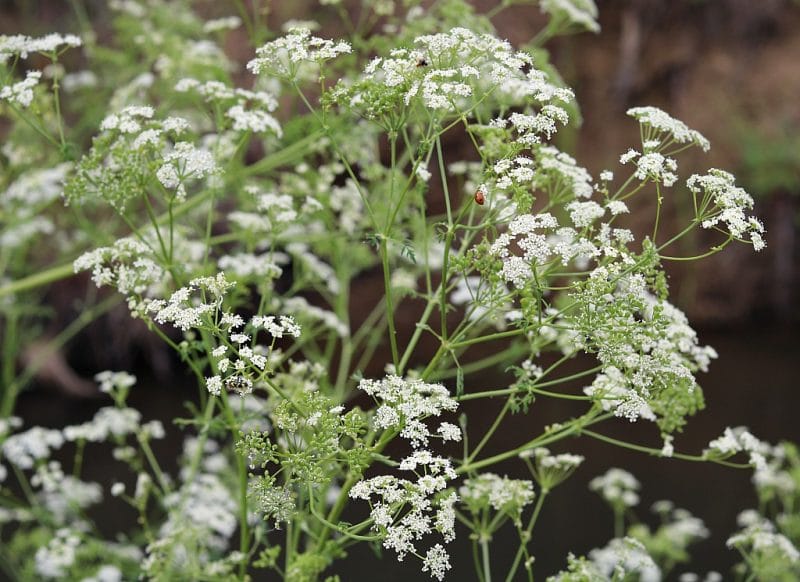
681 528
22 45
776 475
535 246
183 163
405 403
105 573
617 487
35 188
646 346
64 496
738 440
549 470
517 172
612 389
25 229
579 13
25 448
111 382
652 166
503 495
347 202
21 93
112 421
563 169
206 506
127 121
184 310
436 561
127 265
625 557
758 536
276 326
314 266
456 60
22 202
53 560
448 72
221 24
299 307
584 214
251 359
202 514
441 89
553 242
279 207
284 56
407 510
139 131
530 128
730 204
247 265
235 101
667 129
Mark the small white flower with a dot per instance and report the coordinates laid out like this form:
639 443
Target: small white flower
436 561
214 385
449 432
21 93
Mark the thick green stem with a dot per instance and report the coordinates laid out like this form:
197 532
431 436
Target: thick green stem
487 568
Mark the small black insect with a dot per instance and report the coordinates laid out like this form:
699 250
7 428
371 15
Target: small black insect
239 384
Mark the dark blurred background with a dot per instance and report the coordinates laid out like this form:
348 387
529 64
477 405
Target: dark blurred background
728 68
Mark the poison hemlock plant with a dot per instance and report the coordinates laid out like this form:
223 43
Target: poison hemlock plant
234 208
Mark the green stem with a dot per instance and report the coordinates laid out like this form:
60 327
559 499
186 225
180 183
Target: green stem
526 535
387 284
534 388
491 431
488 338
476 561
619 522
657 452
29 122
38 279
659 201
416 335
10 351
153 462
502 357
334 526
57 101
241 469
574 428
487 570
448 241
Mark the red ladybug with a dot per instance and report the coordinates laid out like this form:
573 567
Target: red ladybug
480 197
